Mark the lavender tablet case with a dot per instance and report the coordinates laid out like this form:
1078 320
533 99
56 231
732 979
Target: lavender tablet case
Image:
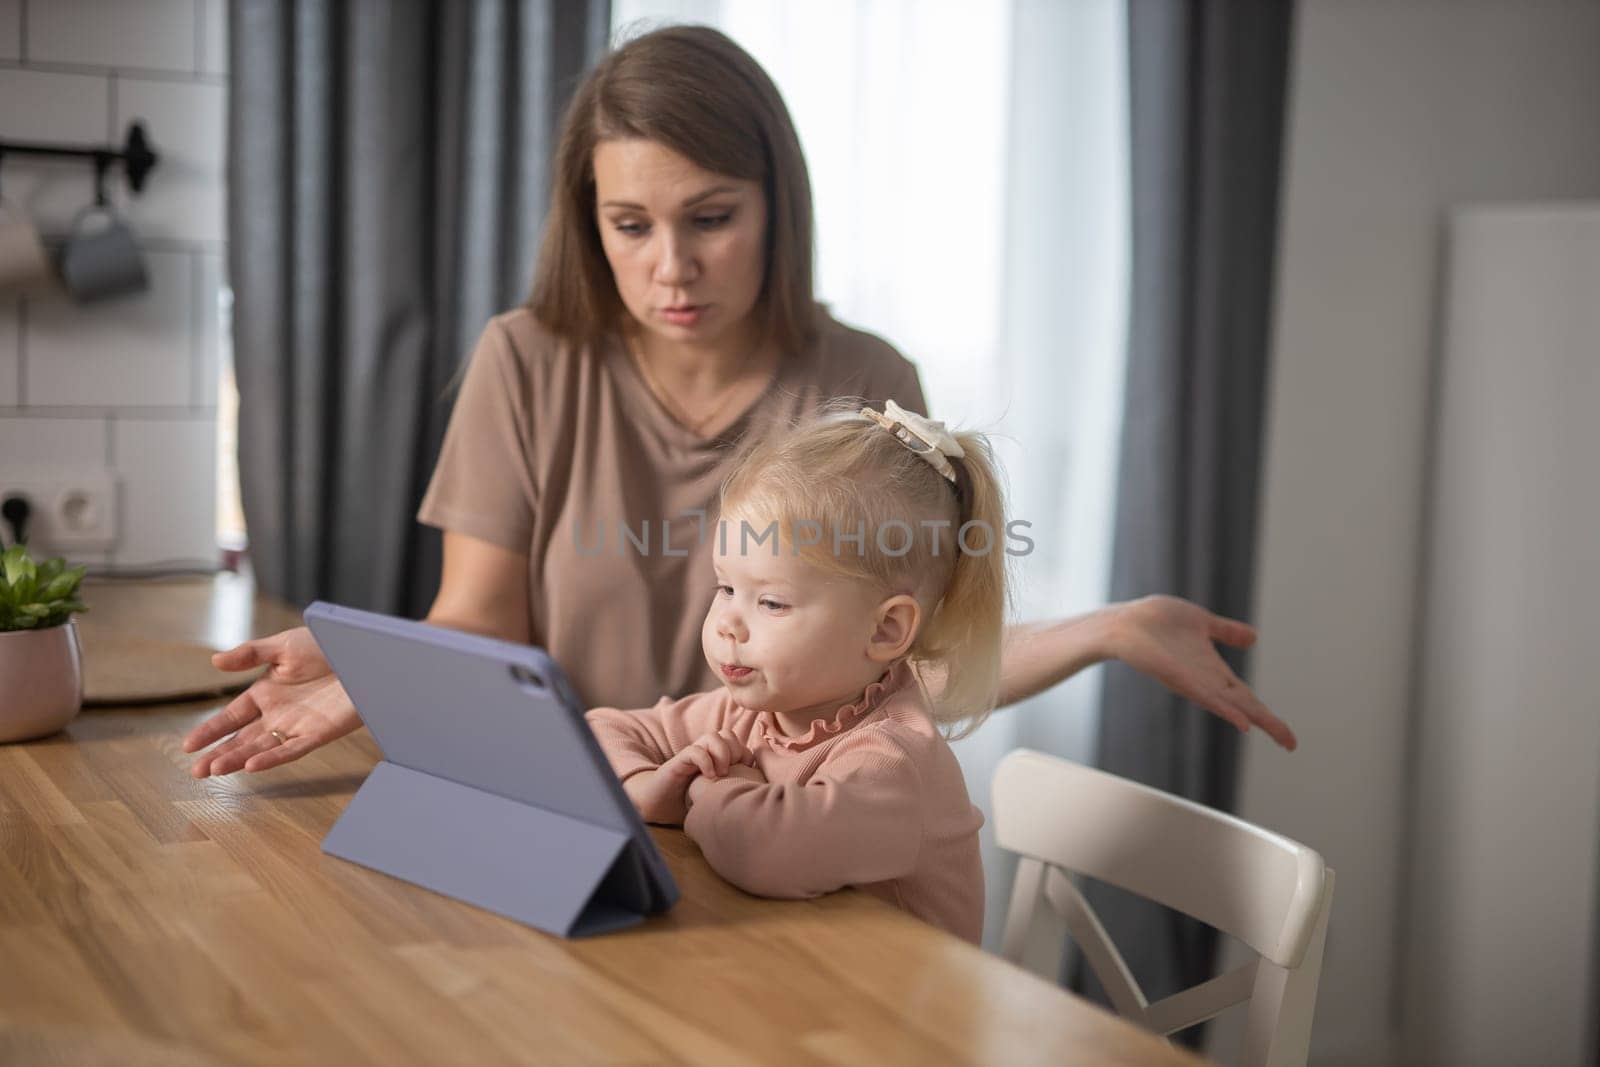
492 788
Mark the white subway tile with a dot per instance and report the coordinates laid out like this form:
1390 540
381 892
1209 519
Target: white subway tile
209 340
168 469
149 34
10 29
186 123
32 443
10 354
129 351
213 36
55 108
51 194
37 105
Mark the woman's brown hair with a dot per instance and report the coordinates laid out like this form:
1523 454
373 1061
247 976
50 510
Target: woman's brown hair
693 90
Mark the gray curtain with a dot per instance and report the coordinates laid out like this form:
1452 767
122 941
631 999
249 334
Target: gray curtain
388 175
1208 84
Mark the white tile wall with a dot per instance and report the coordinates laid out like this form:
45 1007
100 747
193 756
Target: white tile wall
129 351
30 442
51 193
10 29
183 198
51 107
10 357
208 271
144 34
45 105
132 382
213 36
71 443
169 489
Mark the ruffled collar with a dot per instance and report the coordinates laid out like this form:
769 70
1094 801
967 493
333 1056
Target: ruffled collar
893 680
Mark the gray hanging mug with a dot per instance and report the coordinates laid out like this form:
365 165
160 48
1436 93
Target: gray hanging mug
101 258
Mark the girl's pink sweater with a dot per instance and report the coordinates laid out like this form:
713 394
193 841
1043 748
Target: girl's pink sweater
872 797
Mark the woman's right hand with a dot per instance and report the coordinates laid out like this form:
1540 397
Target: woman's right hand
298 696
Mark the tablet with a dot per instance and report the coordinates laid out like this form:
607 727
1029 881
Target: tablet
492 788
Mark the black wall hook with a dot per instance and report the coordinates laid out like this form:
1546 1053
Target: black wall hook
136 156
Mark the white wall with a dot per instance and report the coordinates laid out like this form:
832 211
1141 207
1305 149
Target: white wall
130 384
1501 923
1399 109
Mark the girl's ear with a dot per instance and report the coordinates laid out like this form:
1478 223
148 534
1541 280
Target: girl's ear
895 628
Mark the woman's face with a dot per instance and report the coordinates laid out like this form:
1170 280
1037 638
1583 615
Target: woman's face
686 246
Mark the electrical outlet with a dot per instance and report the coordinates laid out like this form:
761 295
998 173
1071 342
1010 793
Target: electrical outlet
72 510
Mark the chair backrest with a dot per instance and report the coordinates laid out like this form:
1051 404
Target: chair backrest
1271 893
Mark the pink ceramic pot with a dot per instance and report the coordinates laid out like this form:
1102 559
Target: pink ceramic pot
41 681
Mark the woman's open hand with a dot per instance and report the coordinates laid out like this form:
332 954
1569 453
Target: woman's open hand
1172 640
299 697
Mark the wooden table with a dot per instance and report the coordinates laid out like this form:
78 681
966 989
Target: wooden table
146 917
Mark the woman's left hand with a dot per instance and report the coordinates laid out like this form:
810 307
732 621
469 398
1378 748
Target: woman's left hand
1171 640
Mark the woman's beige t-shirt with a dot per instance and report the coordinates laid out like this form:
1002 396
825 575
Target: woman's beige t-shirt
561 451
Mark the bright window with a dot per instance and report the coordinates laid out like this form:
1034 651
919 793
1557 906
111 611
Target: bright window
969 164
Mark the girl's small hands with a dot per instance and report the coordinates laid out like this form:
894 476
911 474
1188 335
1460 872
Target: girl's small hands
747 772
661 795
1173 641
700 783
712 754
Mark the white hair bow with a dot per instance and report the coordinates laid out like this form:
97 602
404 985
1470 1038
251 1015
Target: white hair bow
926 437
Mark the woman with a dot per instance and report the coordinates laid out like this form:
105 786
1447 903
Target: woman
671 318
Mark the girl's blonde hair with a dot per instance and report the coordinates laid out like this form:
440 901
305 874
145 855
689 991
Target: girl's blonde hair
943 543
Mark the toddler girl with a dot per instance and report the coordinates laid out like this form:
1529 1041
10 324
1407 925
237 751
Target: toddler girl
854 556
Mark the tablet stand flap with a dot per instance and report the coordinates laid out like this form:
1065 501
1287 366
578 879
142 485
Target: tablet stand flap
550 871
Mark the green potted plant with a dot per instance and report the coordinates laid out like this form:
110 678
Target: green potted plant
41 662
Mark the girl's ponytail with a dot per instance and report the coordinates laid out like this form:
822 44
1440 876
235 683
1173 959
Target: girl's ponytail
962 638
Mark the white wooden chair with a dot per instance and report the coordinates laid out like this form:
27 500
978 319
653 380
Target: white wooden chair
1271 893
